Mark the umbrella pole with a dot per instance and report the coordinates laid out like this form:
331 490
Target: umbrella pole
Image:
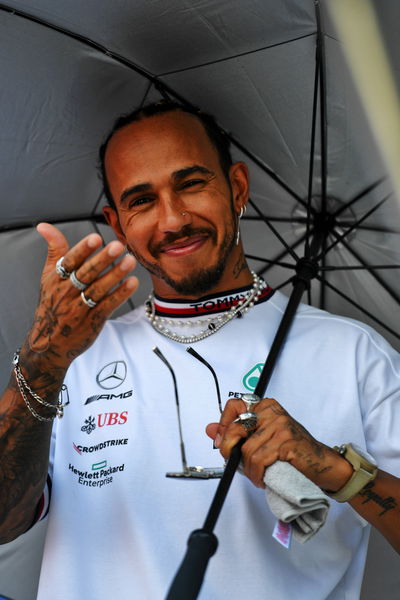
202 543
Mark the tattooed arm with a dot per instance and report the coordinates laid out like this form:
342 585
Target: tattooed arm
63 328
279 437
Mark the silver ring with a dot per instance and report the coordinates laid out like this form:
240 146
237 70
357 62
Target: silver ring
76 282
248 420
250 401
61 270
88 301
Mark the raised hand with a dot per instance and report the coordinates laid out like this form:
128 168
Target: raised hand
64 324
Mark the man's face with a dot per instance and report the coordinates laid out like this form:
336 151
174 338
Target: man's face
177 212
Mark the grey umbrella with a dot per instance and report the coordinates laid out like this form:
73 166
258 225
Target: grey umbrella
69 68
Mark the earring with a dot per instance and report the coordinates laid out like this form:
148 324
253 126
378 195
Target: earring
242 211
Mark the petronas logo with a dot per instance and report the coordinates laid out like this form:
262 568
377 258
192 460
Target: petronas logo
251 378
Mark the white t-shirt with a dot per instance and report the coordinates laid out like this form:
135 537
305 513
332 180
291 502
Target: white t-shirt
118 527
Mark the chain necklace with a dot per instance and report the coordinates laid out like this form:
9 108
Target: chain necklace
214 323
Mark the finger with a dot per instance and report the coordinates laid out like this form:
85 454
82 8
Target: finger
111 302
232 435
57 244
101 287
93 267
258 454
212 430
233 408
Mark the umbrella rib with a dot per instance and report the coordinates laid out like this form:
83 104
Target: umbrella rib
275 232
81 38
148 89
322 106
341 237
274 263
312 155
359 196
359 268
370 228
97 203
265 168
299 220
367 267
281 255
235 56
363 310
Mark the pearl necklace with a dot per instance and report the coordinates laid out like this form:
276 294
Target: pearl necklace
214 323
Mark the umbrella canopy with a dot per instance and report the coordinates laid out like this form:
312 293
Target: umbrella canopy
68 69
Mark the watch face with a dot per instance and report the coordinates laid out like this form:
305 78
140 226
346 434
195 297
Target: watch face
364 454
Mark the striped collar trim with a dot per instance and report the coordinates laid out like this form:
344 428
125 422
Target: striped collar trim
207 305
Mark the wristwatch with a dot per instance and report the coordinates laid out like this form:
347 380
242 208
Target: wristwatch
365 470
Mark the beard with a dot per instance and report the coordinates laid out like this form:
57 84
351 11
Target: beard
198 281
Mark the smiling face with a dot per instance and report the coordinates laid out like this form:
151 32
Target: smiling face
176 210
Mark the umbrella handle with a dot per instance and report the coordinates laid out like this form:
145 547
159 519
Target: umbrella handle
186 585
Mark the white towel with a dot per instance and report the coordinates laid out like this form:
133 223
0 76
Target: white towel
295 499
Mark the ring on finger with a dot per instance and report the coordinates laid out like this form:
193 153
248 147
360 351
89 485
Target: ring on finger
248 420
88 301
76 282
250 400
61 270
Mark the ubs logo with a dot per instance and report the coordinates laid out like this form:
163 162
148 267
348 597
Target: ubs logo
112 375
104 420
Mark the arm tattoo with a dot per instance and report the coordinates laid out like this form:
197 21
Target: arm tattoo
386 504
24 450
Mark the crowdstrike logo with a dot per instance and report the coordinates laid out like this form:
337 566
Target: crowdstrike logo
100 446
112 375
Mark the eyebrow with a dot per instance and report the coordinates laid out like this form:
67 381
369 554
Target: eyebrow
176 176
135 189
182 173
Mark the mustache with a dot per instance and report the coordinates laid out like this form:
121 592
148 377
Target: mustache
187 231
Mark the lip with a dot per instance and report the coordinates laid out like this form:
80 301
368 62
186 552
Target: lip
185 246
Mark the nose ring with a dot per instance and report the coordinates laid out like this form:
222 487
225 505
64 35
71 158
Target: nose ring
183 214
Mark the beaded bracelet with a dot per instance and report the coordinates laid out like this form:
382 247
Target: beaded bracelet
23 385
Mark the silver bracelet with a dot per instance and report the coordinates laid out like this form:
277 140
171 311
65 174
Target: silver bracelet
23 385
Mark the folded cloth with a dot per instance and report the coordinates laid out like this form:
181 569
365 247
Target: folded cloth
295 499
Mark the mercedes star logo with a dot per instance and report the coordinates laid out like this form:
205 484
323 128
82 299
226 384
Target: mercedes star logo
112 375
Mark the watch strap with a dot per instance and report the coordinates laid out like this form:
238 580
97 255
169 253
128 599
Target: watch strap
364 472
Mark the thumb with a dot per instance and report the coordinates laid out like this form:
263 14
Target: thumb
57 244
212 430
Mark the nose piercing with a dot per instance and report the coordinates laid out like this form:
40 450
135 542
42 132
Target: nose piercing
183 214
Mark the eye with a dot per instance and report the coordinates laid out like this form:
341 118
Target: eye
192 183
135 202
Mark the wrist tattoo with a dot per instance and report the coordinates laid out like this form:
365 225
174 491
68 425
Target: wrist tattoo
386 504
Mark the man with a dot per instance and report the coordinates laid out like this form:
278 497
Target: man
117 525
